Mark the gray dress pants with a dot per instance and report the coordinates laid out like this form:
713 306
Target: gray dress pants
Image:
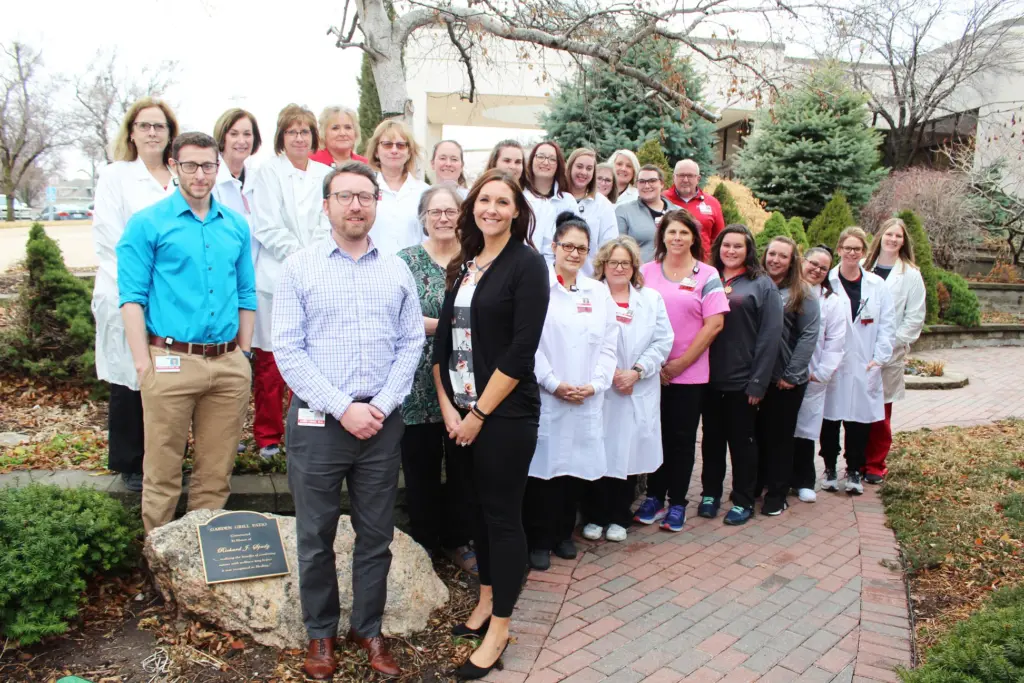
319 460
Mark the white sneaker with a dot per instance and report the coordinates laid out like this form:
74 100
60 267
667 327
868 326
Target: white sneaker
807 495
268 452
830 481
615 533
592 532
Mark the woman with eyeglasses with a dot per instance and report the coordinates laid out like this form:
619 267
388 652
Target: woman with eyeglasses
446 163
138 177
742 358
575 366
891 257
777 413
547 189
632 407
855 396
339 131
627 172
238 138
828 353
287 215
508 156
591 206
696 303
605 174
393 154
640 218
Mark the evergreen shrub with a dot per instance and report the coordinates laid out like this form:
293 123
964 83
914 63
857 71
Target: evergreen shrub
651 153
833 219
730 212
796 231
774 227
923 259
963 308
51 539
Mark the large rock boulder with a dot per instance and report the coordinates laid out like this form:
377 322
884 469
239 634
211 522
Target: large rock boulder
268 609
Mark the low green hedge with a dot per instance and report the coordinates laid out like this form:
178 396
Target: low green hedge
961 307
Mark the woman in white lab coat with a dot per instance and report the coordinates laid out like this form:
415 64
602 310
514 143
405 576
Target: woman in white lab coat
575 365
854 396
828 353
546 188
393 153
632 407
446 162
287 215
591 205
138 177
627 168
891 257
238 138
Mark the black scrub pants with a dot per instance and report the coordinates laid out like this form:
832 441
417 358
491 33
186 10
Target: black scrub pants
680 416
126 443
803 464
776 424
549 510
440 515
856 445
608 501
729 419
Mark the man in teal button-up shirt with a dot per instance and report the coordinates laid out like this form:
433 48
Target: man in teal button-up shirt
188 299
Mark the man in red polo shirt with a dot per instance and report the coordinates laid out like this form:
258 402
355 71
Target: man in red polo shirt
705 208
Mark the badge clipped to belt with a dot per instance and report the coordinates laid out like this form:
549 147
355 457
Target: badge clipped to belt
310 418
167 363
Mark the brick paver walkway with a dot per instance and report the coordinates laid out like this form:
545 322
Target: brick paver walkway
814 595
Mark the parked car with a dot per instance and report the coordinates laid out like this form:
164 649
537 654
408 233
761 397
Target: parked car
63 213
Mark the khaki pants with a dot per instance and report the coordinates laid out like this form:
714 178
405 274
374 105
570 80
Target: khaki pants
209 394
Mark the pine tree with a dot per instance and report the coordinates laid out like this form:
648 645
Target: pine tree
796 231
827 225
651 153
369 104
815 143
730 212
774 227
923 259
605 110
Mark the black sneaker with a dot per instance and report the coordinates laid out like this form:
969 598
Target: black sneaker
874 478
566 549
830 482
774 506
540 560
132 481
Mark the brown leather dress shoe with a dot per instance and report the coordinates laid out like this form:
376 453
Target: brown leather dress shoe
320 663
377 649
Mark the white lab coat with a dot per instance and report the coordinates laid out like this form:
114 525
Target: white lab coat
628 195
632 424
599 213
855 393
828 354
545 211
228 191
124 188
397 225
906 286
287 215
577 348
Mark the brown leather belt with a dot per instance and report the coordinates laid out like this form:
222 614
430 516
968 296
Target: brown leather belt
207 350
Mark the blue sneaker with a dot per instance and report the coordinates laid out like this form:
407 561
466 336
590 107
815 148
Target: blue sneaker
738 515
675 519
708 507
650 511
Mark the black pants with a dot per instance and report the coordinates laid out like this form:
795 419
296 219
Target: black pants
856 443
441 516
803 475
776 422
729 419
680 415
608 501
500 465
125 436
549 510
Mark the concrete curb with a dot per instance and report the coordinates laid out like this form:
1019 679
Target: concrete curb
949 380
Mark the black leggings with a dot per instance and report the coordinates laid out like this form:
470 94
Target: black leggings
609 500
680 415
549 511
776 422
729 419
126 443
857 434
803 464
440 516
500 465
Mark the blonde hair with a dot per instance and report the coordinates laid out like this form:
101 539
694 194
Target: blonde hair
294 113
613 194
576 154
124 148
632 160
605 253
852 231
392 126
906 250
330 112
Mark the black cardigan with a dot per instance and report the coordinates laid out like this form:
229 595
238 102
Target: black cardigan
506 318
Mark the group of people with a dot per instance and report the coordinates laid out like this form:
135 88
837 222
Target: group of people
543 337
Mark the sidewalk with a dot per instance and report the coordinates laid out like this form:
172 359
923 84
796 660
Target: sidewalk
813 595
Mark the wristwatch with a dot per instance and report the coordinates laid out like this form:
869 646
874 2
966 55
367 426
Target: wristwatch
639 370
247 354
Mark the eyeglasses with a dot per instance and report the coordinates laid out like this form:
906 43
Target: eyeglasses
146 126
304 133
851 250
569 247
545 158
345 198
619 265
388 144
209 168
687 175
448 213
648 181
815 267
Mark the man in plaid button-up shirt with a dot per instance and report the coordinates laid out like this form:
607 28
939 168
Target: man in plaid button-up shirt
347 336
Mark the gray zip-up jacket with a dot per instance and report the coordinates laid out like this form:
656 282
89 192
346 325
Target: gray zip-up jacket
799 337
743 354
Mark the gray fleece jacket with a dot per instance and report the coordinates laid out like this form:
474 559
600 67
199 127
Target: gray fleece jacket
799 337
743 354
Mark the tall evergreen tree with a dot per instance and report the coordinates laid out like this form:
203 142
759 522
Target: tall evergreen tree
369 104
606 111
730 212
833 219
816 142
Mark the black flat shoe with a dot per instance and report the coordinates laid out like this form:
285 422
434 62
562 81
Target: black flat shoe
540 560
471 672
566 549
463 631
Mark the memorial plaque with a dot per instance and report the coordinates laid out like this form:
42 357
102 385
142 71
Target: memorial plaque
236 546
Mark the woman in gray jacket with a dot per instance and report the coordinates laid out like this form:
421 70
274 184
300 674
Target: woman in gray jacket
777 415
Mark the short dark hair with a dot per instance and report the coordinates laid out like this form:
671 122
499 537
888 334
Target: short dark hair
652 167
192 139
751 263
356 167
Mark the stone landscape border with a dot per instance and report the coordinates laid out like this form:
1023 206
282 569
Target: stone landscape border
957 337
949 380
